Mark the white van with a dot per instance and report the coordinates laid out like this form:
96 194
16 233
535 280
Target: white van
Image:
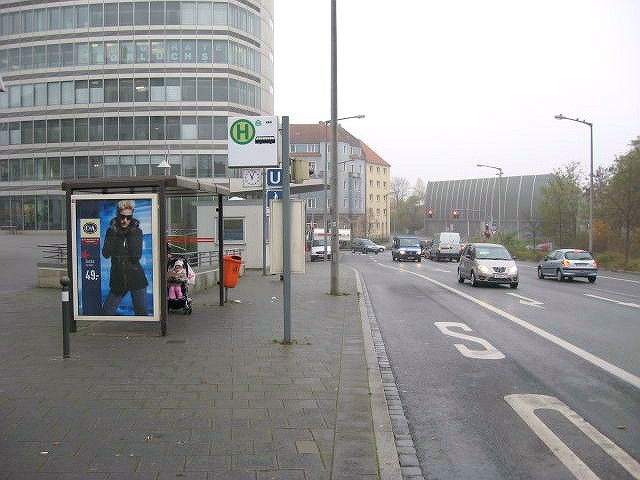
446 245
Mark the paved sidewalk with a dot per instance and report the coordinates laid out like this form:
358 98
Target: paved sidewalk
218 398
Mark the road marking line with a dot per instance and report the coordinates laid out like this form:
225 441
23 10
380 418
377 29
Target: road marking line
619 279
526 405
589 357
489 353
528 301
626 304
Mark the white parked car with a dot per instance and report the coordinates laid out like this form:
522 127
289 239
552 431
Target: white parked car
318 249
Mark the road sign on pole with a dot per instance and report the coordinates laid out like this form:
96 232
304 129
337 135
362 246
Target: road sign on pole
253 141
274 177
274 194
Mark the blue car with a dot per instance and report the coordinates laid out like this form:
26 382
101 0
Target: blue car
406 248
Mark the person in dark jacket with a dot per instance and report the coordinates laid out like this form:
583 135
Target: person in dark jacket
123 245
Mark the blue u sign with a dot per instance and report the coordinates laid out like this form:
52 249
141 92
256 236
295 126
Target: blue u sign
274 177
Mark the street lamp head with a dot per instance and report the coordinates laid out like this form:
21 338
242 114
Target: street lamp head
328 122
560 116
490 166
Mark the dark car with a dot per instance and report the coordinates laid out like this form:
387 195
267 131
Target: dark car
406 248
568 263
365 245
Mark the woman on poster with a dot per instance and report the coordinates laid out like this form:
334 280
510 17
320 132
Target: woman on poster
123 245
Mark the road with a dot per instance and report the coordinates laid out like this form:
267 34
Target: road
539 382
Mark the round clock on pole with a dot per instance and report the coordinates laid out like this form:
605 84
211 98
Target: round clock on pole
251 177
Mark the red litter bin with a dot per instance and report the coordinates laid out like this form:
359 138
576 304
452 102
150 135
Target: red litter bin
231 267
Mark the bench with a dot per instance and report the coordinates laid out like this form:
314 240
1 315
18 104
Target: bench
9 228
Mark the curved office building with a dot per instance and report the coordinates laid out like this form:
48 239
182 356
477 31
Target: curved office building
112 88
507 204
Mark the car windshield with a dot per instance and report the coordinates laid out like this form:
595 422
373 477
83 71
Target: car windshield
578 256
320 243
493 253
409 242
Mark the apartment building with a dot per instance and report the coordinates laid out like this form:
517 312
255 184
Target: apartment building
364 180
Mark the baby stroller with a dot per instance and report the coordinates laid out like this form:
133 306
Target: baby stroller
180 276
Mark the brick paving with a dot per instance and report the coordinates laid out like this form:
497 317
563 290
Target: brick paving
219 397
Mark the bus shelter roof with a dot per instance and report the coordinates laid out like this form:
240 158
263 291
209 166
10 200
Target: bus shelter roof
173 185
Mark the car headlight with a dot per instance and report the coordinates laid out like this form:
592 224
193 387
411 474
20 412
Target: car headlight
484 270
513 270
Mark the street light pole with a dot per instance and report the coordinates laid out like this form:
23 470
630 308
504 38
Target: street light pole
499 227
335 245
562 117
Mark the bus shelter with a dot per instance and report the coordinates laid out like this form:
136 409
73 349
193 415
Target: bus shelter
117 244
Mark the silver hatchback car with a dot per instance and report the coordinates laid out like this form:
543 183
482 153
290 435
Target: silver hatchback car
568 263
487 263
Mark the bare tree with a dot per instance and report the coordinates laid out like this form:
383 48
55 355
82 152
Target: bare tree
399 191
420 189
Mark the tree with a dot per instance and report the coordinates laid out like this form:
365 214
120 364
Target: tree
407 205
561 204
399 191
621 195
420 189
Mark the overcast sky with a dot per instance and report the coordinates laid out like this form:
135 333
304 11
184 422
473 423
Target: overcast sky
447 84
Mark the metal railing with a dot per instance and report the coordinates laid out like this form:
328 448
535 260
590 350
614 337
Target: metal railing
56 253
209 257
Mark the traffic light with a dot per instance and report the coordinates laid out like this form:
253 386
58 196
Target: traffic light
430 213
456 214
300 170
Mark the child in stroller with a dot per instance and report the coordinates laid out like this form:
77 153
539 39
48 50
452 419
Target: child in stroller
179 276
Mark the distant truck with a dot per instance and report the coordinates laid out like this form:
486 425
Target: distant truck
319 238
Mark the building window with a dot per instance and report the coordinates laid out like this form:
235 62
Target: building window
111 129
66 130
96 92
204 166
141 128
82 129
157 128
95 129
110 90
205 128
189 128
233 230
141 90
190 165
141 13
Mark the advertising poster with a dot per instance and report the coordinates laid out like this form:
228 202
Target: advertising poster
115 250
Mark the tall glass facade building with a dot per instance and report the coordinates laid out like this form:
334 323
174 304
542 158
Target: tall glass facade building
111 88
